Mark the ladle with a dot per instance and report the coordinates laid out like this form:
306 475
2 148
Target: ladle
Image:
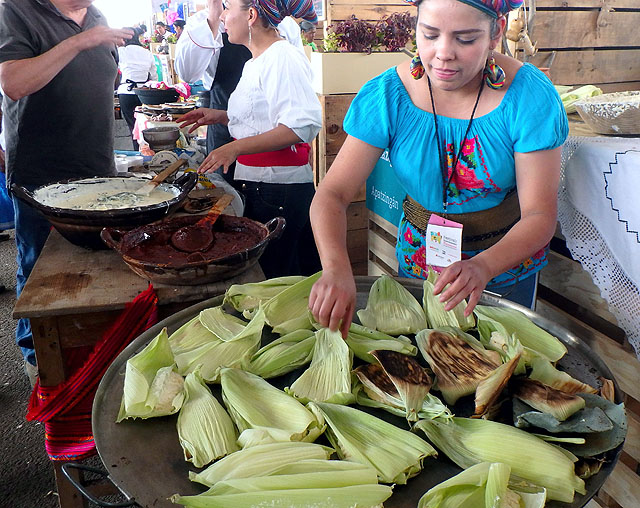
147 187
199 236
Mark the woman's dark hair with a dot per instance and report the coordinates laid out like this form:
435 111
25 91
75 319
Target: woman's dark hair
135 40
160 23
179 22
493 28
306 26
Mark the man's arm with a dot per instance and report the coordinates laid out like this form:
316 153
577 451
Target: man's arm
198 49
19 78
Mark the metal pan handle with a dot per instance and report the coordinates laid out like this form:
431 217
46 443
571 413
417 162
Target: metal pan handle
112 237
276 227
81 488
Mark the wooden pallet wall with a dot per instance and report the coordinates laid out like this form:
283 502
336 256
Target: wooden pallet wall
339 10
595 41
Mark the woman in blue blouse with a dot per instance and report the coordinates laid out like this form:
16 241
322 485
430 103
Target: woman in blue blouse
472 136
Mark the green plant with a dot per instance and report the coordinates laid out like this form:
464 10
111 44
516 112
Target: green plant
391 33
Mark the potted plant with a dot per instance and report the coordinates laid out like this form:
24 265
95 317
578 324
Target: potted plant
356 51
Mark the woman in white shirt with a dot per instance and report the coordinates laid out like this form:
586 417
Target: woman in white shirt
137 67
273 114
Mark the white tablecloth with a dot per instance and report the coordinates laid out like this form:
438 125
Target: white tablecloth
599 213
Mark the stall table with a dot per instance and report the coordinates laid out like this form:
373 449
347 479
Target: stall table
74 295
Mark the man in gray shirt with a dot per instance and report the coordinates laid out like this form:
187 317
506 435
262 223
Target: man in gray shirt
58 64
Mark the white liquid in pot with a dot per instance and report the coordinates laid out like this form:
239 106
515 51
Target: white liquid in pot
103 194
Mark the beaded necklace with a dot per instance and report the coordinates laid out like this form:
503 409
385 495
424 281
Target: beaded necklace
446 178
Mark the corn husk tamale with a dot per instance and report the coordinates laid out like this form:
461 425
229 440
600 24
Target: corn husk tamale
539 396
361 340
411 380
543 371
469 441
288 311
365 496
435 312
328 378
392 309
255 404
259 461
151 385
235 349
205 430
283 355
458 361
490 388
483 485
373 388
246 298
307 483
357 436
526 331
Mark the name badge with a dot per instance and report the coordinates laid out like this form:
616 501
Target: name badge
443 242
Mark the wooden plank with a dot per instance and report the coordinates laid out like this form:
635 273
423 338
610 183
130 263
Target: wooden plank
68 495
77 330
357 215
584 29
46 341
390 228
335 108
623 364
580 4
593 504
360 268
632 443
382 249
568 278
591 66
366 12
623 485
357 245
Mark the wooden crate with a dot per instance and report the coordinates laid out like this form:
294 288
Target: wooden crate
326 147
579 308
594 40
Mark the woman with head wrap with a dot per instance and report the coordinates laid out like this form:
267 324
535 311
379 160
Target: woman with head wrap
473 136
273 114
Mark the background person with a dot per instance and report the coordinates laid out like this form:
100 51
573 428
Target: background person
273 114
465 129
161 31
137 66
58 64
308 30
206 54
178 26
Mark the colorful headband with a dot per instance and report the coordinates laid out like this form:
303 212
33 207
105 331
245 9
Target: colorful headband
494 8
276 10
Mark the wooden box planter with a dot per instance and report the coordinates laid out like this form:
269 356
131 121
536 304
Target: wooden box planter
337 73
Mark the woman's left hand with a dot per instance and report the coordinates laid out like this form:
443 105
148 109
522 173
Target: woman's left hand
222 157
466 278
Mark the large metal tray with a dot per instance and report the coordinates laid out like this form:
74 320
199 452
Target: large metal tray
145 460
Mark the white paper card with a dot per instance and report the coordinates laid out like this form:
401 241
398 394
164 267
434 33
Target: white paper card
444 245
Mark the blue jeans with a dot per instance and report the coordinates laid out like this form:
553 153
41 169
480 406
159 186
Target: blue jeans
31 232
523 292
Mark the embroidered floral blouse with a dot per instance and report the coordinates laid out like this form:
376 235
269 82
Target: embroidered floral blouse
529 118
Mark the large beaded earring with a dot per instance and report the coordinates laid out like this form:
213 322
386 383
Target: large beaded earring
494 75
415 67
249 35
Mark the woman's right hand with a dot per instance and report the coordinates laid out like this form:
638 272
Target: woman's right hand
202 116
332 300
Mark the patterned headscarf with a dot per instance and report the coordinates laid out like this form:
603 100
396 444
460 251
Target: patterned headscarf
276 10
494 8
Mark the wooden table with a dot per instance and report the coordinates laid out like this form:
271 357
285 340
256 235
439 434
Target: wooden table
72 297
